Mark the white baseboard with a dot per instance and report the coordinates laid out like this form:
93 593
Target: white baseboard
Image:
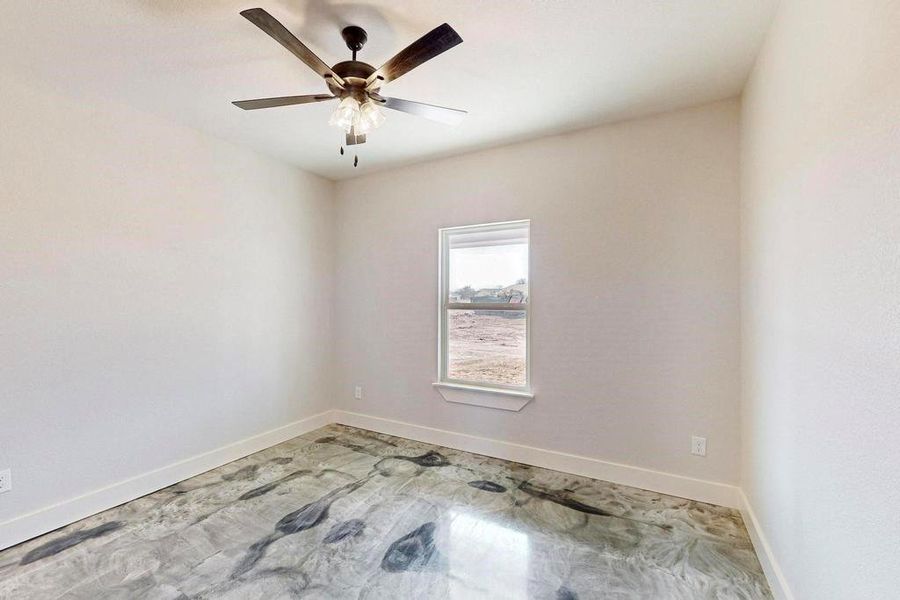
46 519
777 581
666 483
52 517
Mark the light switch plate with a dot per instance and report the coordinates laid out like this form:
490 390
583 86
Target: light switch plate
5 480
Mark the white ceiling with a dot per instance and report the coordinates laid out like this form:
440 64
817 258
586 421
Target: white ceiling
526 68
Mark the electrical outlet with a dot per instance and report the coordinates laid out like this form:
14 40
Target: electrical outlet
357 392
5 480
698 445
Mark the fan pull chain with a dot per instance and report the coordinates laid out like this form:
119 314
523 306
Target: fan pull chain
342 149
355 160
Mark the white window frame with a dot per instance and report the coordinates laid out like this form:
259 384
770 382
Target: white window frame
444 306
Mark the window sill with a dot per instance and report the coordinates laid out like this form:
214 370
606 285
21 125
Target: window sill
474 395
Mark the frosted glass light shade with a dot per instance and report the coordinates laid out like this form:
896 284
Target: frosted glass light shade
370 117
346 114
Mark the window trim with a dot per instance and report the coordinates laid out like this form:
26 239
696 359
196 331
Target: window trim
444 306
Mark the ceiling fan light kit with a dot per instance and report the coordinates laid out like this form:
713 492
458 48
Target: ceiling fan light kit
351 115
357 84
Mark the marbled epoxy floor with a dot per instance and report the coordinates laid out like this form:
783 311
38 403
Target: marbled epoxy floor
347 513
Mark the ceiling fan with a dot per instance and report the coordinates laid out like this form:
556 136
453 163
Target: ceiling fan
355 83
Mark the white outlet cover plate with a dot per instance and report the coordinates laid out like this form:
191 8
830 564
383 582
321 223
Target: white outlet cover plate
698 445
5 480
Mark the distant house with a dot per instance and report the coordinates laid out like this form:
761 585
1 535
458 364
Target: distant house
515 294
487 295
512 294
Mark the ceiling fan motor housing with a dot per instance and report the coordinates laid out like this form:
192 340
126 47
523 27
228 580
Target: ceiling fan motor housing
354 73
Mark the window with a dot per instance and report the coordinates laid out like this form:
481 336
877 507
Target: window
484 285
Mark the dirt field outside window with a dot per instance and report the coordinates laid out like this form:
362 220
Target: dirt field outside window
486 346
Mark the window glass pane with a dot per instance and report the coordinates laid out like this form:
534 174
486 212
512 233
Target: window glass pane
488 270
486 346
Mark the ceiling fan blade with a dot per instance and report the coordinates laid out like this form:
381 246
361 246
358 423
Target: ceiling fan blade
280 34
438 40
449 116
281 101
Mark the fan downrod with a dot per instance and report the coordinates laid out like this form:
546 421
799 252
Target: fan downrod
355 38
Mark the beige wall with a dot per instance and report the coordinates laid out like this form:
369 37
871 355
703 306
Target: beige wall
821 296
162 294
634 230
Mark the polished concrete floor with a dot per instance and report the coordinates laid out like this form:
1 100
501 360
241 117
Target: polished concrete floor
347 513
